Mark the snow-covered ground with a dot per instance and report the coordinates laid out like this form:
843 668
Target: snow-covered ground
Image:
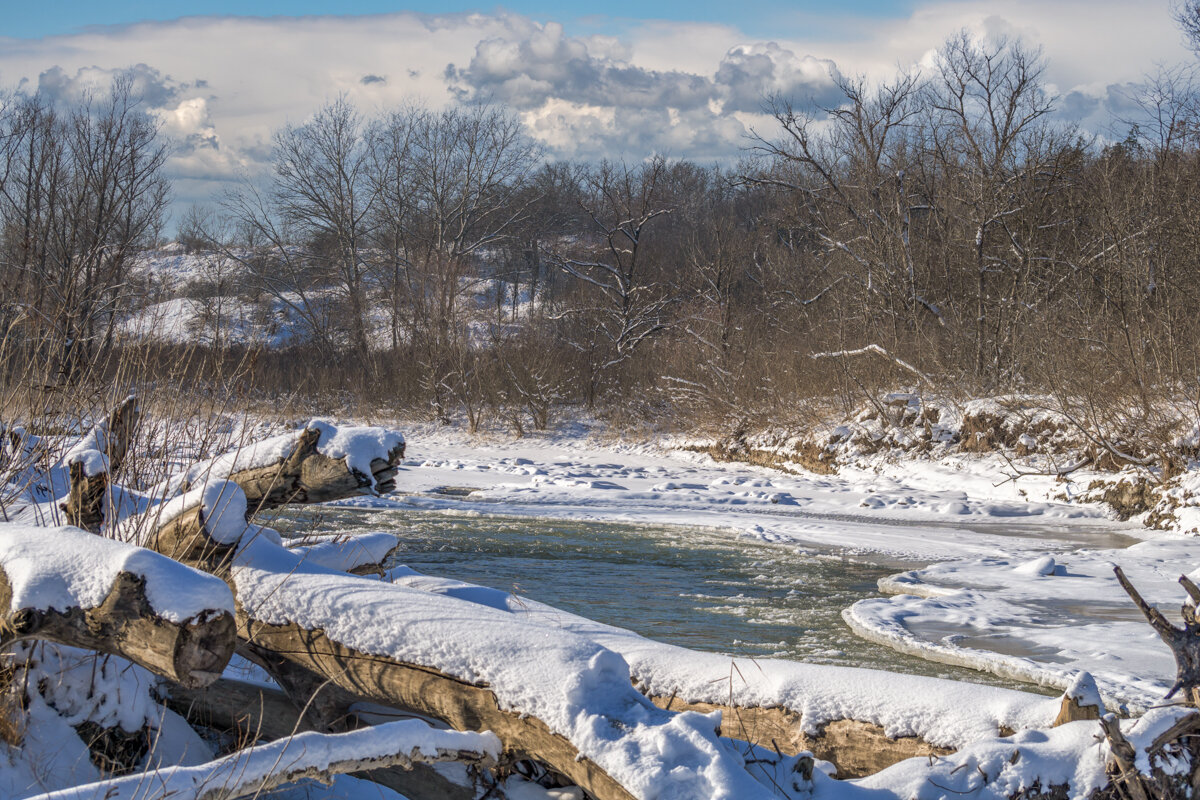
915 510
1021 585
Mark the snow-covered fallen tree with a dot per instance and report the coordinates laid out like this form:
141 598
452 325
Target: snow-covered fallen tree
561 699
319 463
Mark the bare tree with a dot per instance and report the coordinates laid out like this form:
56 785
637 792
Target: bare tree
988 105
451 187
622 303
84 190
323 191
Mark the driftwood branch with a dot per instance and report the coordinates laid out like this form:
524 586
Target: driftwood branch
1123 760
1183 641
879 351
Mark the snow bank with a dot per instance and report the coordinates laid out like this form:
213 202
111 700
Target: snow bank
65 567
920 510
1042 619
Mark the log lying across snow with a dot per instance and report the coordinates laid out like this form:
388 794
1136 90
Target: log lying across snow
251 712
554 696
69 586
255 770
320 463
90 462
200 527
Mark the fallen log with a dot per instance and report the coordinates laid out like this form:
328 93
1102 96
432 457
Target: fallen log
429 692
320 463
256 770
67 586
200 527
856 748
252 712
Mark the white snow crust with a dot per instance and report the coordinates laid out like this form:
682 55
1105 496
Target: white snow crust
346 553
65 567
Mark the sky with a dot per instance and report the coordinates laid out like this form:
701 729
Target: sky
618 79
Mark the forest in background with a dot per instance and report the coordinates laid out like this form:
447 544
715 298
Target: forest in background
941 229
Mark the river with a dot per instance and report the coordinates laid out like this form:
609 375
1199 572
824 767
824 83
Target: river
688 586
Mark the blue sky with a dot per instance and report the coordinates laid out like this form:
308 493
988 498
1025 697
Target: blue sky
23 19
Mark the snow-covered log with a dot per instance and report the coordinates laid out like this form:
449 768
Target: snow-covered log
320 463
255 770
556 697
199 527
550 695
252 711
68 586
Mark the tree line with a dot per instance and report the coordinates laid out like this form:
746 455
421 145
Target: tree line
943 228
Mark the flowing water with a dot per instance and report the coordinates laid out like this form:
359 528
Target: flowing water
693 587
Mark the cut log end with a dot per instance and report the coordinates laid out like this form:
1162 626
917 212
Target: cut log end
84 506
